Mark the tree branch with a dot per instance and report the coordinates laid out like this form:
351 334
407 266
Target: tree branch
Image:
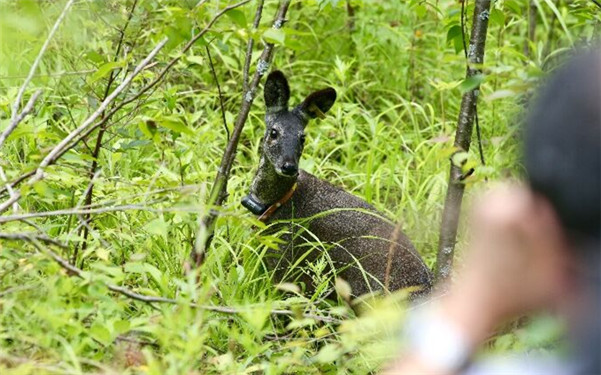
250 45
15 121
13 125
36 62
227 131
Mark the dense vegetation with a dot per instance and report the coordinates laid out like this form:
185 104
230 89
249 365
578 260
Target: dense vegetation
132 198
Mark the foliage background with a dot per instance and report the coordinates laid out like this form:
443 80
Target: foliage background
398 68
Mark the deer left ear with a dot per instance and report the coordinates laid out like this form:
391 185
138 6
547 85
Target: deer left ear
276 92
318 103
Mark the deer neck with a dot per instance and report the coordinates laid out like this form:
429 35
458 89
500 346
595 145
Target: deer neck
268 186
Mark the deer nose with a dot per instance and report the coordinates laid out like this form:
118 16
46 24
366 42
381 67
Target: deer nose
289 169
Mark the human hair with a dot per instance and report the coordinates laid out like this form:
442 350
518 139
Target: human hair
563 142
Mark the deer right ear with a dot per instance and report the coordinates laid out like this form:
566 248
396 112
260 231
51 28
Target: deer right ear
276 92
318 103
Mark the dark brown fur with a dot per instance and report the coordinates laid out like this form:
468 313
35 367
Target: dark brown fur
361 240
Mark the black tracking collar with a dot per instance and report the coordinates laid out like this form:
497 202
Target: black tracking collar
253 205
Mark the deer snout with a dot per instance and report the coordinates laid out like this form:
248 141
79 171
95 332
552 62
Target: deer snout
289 169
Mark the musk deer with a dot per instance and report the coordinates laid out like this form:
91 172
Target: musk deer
364 248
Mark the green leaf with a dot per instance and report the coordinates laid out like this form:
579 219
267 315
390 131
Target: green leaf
499 94
157 226
497 17
121 326
454 32
257 317
42 189
148 128
471 83
238 17
421 11
274 36
560 19
105 69
175 124
329 353
199 60
94 57
288 287
459 159
513 5
100 333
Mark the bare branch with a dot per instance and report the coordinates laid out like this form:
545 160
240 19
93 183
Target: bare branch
15 289
10 190
36 62
83 211
14 122
29 237
45 162
227 131
250 45
13 125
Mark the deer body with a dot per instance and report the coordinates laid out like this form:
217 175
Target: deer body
363 246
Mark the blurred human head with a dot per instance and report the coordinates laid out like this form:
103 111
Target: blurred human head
563 161
562 148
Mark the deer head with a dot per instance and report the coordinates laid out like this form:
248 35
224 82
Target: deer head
284 140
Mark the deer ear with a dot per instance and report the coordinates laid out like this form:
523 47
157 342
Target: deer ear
318 103
276 92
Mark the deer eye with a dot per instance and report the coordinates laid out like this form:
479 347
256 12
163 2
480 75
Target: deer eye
302 139
273 134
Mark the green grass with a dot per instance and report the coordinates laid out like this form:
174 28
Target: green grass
387 139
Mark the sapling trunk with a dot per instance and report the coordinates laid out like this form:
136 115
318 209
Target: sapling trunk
463 136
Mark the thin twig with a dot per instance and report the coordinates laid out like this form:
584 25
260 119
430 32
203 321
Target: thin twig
200 3
36 62
250 45
227 131
57 74
15 289
10 190
83 211
29 237
13 125
14 122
